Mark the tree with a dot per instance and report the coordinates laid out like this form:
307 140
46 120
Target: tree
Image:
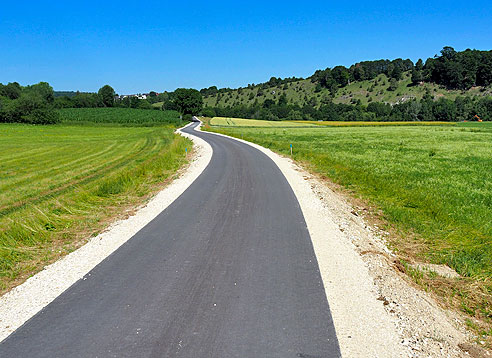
417 76
282 100
107 93
417 72
11 90
188 101
341 75
396 73
393 85
379 109
295 115
444 110
43 90
359 73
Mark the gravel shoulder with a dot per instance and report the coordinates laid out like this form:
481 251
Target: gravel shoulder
24 301
376 311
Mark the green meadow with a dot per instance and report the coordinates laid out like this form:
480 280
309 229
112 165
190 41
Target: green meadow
61 184
433 185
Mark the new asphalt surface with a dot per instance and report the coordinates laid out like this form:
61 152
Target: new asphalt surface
227 270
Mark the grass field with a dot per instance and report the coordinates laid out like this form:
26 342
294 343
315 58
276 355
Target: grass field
432 183
240 122
256 123
122 116
376 124
61 184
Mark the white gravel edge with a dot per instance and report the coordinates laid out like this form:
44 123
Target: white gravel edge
27 299
364 328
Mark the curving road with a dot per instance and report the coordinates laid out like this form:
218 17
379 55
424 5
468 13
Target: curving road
227 270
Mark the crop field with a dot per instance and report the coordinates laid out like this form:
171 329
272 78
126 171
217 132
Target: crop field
363 124
61 184
433 185
122 116
241 122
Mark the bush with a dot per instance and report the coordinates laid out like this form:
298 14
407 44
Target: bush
42 116
393 85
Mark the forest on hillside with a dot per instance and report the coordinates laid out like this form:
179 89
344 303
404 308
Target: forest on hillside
451 70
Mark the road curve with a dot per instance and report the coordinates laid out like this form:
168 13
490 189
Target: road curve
227 270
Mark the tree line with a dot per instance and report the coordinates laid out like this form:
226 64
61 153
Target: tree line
451 69
427 109
37 104
187 101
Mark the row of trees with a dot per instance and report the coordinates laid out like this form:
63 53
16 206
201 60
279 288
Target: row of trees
463 108
451 69
272 82
30 104
341 76
187 101
459 70
37 104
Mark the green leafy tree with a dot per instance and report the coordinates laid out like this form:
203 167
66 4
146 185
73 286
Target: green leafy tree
295 115
43 90
341 75
282 100
393 85
12 90
107 93
417 74
188 101
396 73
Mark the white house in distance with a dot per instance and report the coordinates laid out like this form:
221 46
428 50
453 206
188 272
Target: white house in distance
139 96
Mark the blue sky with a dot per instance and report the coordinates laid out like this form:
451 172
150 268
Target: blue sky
141 46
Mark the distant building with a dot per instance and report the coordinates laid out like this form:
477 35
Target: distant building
139 96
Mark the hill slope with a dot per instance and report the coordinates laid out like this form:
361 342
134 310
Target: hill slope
304 91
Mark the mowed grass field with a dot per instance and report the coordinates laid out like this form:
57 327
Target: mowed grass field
433 185
62 184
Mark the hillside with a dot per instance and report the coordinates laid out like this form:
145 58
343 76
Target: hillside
304 91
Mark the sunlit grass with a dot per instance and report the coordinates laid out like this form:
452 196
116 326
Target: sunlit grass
433 185
60 184
242 122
